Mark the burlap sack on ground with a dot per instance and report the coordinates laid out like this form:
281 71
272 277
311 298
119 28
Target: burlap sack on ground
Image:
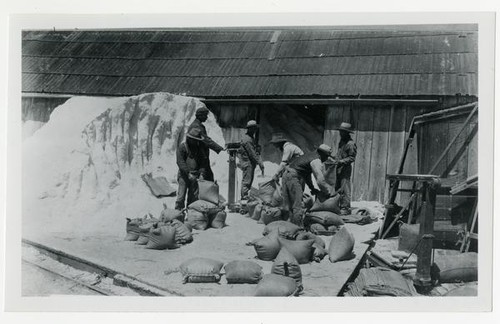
219 220
303 235
270 214
198 270
301 250
326 204
319 252
196 219
341 246
168 214
132 228
162 238
273 285
257 212
267 247
243 272
283 228
144 233
183 233
460 267
287 265
266 191
325 218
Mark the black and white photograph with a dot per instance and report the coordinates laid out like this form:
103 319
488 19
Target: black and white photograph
301 161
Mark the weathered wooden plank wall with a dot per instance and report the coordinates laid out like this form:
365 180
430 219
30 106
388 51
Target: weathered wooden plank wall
380 135
39 108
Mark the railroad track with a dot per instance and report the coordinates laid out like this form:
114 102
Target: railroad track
86 274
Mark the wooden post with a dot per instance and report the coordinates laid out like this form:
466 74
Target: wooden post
232 178
424 252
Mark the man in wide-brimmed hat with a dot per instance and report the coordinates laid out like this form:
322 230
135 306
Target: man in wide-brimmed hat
249 158
298 174
290 152
190 160
207 143
346 155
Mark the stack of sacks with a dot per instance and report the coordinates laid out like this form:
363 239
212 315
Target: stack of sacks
322 216
167 232
265 205
381 282
208 210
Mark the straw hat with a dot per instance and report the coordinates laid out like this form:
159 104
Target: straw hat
324 149
278 138
346 127
252 123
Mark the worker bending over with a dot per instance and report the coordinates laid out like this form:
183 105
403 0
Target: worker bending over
290 152
297 174
207 143
190 159
346 155
249 158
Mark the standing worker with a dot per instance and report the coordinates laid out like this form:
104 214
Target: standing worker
190 161
290 152
297 174
346 154
206 142
249 158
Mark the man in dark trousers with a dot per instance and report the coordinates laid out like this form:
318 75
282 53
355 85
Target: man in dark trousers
298 174
346 154
190 161
207 143
249 158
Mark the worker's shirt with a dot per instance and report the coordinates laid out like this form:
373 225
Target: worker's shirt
248 150
346 155
307 165
189 160
208 143
290 152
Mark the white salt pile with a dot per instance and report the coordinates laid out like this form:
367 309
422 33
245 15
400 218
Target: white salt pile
30 127
82 170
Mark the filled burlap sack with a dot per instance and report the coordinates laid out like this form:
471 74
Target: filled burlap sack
208 191
219 220
270 214
319 252
273 285
144 233
317 228
183 233
325 218
341 246
168 214
301 250
283 228
461 267
287 265
162 238
257 212
266 191
239 272
132 228
267 247
277 198
463 291
326 204
196 219
251 207
303 235
199 270
204 206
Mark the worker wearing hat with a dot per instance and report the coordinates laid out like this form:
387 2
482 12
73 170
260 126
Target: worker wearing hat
290 152
190 160
249 158
298 174
346 155
206 143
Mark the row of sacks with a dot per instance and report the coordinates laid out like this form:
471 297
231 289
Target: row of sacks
174 227
304 246
285 278
158 234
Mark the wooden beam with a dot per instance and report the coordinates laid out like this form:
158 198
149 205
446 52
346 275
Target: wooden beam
447 149
460 152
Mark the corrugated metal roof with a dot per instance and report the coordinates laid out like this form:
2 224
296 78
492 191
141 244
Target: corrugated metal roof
232 63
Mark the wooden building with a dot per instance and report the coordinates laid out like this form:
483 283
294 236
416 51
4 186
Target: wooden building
302 82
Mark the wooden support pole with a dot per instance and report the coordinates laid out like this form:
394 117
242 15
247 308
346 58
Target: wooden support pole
232 178
424 253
